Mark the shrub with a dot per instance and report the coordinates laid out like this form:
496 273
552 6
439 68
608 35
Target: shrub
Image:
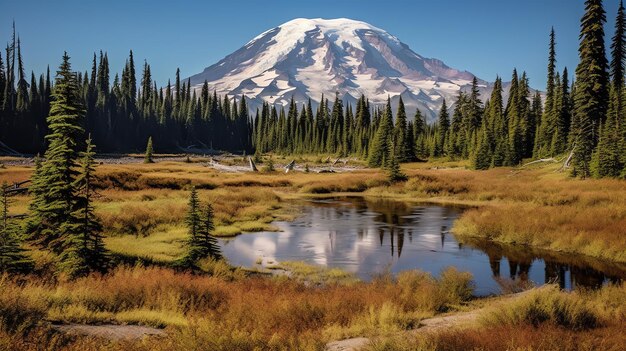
546 305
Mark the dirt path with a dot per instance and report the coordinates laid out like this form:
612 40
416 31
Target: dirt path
109 331
431 324
455 320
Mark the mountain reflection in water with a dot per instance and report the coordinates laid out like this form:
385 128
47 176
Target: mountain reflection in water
368 237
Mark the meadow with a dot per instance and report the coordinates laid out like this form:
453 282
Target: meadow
142 207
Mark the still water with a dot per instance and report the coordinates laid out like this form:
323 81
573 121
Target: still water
367 237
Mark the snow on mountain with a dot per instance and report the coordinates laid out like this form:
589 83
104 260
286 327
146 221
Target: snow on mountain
309 57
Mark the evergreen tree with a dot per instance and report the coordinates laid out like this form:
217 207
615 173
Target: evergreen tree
12 257
547 121
618 49
409 136
383 140
22 102
89 228
483 157
54 191
591 98
442 130
149 152
394 173
193 221
207 242
606 160
402 147
348 126
269 165
419 135
562 112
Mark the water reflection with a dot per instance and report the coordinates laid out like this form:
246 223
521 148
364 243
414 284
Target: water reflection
568 271
369 237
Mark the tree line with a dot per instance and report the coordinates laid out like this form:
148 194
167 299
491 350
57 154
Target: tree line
581 120
61 217
120 116
584 119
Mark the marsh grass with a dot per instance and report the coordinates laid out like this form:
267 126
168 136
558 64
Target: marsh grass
274 313
534 206
546 305
142 207
572 310
313 274
509 338
542 319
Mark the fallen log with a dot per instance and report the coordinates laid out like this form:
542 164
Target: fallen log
252 164
290 166
326 171
551 159
568 160
17 216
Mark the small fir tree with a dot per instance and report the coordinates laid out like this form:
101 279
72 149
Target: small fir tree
383 140
12 257
89 226
269 165
442 131
394 173
53 181
207 242
149 152
193 222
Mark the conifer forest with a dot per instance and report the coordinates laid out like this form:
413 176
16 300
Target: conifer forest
323 187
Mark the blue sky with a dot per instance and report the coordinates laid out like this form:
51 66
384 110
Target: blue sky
485 37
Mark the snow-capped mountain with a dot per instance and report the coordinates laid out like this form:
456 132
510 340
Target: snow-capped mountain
309 57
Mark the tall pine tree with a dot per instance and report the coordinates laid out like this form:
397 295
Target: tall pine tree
591 99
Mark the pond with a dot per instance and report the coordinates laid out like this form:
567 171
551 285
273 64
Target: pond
369 237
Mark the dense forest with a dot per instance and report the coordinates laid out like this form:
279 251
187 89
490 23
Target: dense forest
120 117
580 122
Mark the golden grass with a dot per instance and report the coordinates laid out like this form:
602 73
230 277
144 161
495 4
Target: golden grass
143 206
574 310
313 274
536 206
509 338
164 245
544 319
273 313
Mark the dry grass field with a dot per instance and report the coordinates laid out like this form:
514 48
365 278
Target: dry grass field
142 207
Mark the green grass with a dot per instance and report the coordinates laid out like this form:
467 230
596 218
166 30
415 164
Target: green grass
164 244
314 274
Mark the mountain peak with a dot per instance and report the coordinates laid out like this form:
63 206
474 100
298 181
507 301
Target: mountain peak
305 58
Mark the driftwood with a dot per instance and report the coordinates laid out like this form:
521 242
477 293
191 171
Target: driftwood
326 171
551 159
327 159
11 190
565 165
568 160
16 187
225 168
337 160
290 166
17 216
252 164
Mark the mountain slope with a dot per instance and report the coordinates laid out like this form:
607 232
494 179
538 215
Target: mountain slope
309 57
